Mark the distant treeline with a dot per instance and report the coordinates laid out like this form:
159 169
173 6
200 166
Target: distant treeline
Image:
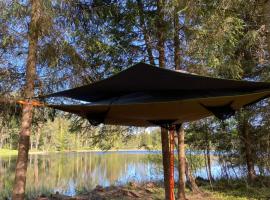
57 135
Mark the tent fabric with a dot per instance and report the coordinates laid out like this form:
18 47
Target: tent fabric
151 80
144 95
150 113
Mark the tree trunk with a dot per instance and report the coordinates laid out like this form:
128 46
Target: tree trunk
179 130
164 133
31 145
181 162
190 180
171 133
24 139
38 133
248 151
177 58
146 35
160 33
166 161
208 157
266 11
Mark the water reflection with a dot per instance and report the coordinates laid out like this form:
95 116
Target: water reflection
71 172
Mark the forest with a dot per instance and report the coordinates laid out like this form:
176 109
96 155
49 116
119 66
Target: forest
49 46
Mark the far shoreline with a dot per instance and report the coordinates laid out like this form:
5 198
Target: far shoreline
8 152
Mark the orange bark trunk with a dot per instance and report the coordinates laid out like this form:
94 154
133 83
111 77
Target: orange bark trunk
24 140
171 189
181 162
166 161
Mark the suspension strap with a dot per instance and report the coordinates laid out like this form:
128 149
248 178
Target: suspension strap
33 103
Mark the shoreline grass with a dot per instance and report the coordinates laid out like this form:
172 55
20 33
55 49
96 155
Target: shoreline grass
155 191
10 152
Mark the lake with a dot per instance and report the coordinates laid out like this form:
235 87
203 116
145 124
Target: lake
71 172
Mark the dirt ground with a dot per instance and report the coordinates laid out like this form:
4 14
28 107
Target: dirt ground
147 191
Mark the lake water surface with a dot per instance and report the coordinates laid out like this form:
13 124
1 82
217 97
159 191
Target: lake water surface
71 172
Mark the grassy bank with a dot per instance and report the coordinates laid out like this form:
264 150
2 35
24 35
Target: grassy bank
220 190
237 190
8 152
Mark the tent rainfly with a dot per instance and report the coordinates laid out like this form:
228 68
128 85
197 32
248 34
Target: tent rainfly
144 95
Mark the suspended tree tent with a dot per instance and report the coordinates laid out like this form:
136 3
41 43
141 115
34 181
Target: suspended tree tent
144 95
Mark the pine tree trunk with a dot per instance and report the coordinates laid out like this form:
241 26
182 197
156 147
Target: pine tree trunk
248 152
166 160
164 133
31 144
160 33
190 180
24 139
181 163
266 11
171 135
145 32
38 133
177 58
208 157
179 130
209 164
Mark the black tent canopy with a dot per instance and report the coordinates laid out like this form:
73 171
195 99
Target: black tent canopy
144 78
144 95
